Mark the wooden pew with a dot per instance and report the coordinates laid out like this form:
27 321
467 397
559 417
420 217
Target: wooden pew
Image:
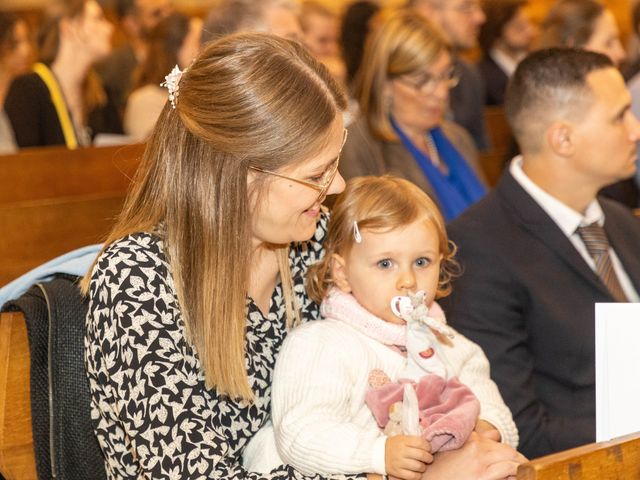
17 457
53 200
618 459
499 132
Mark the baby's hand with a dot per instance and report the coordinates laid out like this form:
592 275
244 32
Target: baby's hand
406 457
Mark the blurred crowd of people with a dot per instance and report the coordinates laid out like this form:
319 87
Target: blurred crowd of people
64 85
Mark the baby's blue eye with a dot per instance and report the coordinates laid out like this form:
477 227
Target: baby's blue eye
386 263
422 262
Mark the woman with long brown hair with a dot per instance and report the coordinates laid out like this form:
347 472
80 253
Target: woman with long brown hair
204 272
62 101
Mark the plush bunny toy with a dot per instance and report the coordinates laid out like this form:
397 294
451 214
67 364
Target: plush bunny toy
427 399
424 351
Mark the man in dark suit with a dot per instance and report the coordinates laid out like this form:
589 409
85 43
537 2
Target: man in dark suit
530 276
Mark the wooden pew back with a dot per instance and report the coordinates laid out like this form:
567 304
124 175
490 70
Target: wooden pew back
53 200
618 459
494 160
54 172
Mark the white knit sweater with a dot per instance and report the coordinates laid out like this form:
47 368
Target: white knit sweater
321 422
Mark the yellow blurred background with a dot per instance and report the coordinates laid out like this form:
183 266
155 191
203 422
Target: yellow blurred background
538 8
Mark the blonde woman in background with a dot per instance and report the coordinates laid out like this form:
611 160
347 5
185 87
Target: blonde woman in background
403 93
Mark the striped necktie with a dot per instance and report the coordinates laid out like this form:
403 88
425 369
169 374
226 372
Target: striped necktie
595 239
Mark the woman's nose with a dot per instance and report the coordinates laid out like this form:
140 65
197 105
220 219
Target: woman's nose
441 92
337 185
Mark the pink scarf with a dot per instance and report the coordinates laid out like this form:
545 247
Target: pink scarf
344 307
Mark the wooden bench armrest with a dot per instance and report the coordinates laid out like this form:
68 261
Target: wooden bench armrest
617 459
17 456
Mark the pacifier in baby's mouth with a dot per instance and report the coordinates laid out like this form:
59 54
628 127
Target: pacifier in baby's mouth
402 305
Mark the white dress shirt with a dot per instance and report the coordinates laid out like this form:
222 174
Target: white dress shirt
568 220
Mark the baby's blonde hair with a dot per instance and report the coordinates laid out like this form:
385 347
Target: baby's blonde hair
379 204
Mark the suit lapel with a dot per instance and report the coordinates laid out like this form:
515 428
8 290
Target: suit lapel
531 217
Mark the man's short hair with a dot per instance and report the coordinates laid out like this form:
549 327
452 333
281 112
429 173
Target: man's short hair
547 85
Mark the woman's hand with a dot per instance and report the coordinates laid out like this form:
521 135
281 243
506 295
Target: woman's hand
487 430
480 458
406 457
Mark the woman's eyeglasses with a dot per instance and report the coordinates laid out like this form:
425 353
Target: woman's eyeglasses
324 180
427 83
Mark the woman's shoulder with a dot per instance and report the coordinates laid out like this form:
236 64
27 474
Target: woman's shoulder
456 133
132 275
363 153
28 83
359 132
461 139
139 242
136 251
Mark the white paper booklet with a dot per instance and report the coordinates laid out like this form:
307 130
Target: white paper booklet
617 369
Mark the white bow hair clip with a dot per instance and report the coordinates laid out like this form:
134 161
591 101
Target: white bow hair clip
172 82
356 232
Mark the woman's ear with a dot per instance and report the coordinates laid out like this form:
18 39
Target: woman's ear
339 273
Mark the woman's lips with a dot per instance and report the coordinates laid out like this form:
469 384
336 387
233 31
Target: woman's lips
313 211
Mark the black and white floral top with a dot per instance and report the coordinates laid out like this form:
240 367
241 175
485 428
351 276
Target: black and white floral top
152 414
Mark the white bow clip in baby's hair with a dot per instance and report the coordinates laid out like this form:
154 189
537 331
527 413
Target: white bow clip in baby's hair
356 232
172 83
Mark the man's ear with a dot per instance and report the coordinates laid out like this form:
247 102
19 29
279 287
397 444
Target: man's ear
339 273
561 139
